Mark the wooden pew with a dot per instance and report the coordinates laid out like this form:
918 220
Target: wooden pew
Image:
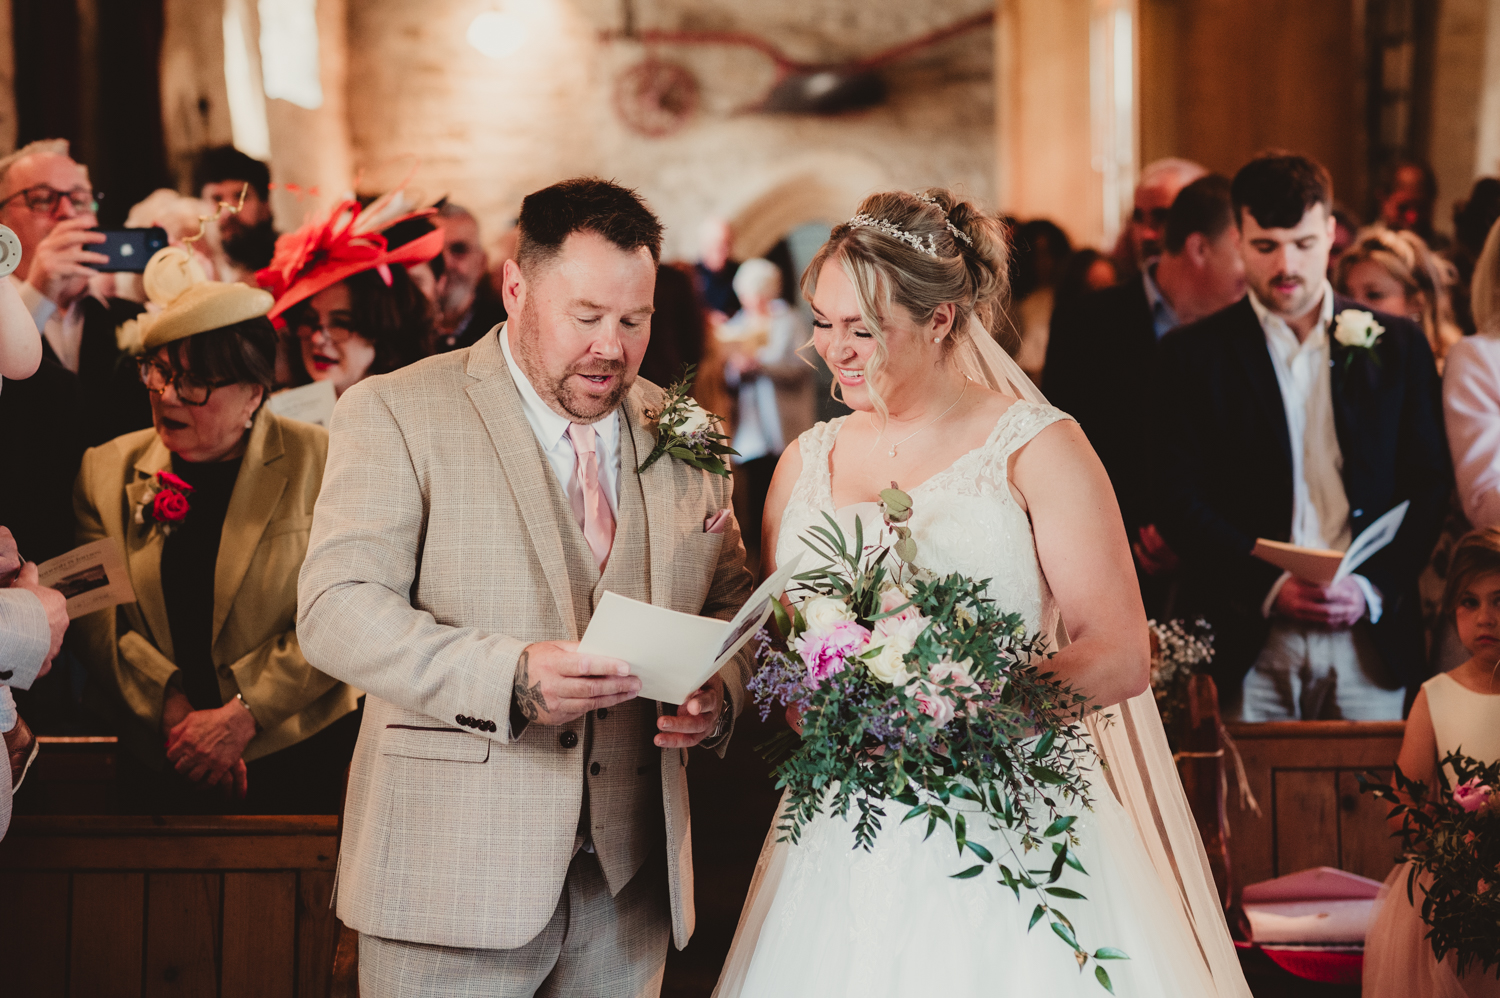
1304 774
108 906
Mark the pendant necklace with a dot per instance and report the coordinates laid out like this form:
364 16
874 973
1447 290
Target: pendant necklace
940 415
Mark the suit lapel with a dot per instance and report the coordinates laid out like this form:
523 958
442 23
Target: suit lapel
657 488
143 543
257 493
1353 381
499 405
1255 360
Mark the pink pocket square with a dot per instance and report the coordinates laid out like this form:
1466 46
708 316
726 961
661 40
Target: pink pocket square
716 523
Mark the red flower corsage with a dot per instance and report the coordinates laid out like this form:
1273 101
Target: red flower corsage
167 505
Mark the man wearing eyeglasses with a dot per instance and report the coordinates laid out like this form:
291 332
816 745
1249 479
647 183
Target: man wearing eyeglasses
82 394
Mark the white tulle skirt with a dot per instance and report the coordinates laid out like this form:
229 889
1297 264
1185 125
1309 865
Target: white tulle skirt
826 919
1398 957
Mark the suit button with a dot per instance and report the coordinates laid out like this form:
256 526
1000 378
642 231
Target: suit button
489 726
568 739
461 719
594 769
7 673
601 713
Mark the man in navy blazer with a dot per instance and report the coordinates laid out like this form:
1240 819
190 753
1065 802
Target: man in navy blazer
1294 416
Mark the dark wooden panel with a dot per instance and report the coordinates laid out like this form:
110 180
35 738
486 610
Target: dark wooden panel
182 934
1306 819
260 935
317 933
168 852
1365 844
36 932
106 937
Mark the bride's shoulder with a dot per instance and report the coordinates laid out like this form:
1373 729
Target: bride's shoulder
1013 421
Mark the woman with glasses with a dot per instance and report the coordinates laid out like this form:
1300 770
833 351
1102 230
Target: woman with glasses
212 508
342 288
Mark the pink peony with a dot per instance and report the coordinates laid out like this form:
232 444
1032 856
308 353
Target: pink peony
934 703
893 598
824 652
1471 795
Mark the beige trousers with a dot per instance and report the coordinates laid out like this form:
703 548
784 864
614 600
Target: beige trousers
1309 673
595 946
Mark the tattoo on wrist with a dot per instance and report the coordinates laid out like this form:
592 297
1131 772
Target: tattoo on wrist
528 698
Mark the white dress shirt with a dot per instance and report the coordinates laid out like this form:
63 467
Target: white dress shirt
551 431
1320 507
62 328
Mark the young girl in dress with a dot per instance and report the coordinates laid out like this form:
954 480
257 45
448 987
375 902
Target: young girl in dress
1455 711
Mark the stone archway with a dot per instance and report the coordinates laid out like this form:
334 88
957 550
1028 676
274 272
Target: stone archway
827 190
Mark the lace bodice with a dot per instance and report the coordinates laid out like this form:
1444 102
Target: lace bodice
964 518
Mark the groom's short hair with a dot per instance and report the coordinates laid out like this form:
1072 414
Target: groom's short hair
584 204
1278 188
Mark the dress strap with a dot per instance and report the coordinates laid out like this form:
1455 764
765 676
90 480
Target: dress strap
814 444
1015 429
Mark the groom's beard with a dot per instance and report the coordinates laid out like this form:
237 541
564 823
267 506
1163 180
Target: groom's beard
581 405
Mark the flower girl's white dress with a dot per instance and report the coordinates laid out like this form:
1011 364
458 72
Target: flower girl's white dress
1398 957
826 919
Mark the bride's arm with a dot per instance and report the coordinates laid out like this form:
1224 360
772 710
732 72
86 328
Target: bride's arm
1080 541
788 470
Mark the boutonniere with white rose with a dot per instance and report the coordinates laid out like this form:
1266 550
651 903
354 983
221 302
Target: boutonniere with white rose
1358 332
687 431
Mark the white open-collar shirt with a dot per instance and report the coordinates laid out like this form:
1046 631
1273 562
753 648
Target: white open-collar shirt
551 431
1320 507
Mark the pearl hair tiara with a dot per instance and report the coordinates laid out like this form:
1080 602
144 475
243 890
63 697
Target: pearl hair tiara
922 244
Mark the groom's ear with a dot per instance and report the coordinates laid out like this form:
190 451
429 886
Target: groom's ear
512 287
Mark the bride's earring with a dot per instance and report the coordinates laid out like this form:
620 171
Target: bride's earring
937 339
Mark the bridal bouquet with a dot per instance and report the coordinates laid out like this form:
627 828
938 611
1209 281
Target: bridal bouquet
1451 838
918 691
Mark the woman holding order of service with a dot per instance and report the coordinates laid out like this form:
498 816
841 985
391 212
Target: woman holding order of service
212 509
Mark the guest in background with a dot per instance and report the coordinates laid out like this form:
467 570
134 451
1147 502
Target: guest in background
1472 220
1272 426
1041 250
1345 228
1471 412
1407 200
221 711
33 620
772 385
1147 229
1088 270
468 305
678 328
355 312
222 174
1395 273
1103 353
715 270
73 400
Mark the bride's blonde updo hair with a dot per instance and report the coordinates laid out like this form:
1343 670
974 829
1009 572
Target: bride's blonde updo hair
888 269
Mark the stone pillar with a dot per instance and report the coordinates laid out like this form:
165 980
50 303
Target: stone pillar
1465 133
1065 74
194 100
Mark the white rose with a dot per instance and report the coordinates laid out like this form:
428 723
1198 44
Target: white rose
906 627
887 659
823 612
697 420
1355 328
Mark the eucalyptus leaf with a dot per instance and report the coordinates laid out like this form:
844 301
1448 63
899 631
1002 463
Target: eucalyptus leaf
972 871
1102 976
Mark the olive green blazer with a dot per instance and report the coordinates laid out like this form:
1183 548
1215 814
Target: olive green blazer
255 648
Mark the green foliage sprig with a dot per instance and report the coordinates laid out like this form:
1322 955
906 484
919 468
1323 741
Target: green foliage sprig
687 431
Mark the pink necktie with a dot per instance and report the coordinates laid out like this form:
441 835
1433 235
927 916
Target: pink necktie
595 518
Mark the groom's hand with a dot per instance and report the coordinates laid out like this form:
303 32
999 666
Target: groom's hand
694 720
555 684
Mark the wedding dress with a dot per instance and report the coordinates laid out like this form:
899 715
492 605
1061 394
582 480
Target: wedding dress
824 918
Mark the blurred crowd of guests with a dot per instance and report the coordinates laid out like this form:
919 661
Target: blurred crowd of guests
1191 353
1205 358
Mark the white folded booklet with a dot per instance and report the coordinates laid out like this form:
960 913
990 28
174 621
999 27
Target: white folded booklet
674 653
92 577
1324 568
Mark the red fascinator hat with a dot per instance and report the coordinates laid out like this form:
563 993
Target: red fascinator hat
347 241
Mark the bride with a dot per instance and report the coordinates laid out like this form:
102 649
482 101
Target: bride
1005 488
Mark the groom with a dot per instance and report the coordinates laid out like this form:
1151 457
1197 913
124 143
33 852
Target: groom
516 820
1274 426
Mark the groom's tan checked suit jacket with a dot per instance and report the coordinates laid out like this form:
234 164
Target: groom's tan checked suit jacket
441 546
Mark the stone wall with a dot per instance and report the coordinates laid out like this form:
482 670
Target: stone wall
488 131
